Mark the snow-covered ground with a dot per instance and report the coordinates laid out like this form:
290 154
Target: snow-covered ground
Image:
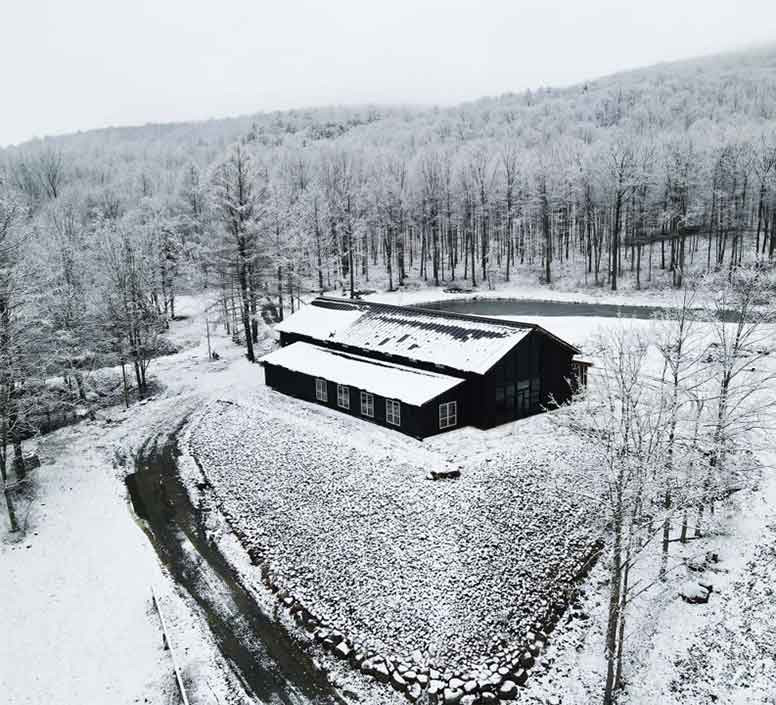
77 620
679 653
723 651
525 288
76 589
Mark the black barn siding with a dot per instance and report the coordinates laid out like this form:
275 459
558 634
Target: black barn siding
429 418
417 421
523 382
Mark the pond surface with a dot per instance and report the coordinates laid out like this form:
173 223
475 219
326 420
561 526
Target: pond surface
542 307
268 662
538 307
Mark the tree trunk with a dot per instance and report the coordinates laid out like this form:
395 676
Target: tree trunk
245 301
12 521
666 534
18 460
618 680
615 249
125 383
613 621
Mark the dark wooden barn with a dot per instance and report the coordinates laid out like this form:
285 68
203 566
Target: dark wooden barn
420 371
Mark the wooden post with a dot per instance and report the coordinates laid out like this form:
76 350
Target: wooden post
124 380
168 646
207 331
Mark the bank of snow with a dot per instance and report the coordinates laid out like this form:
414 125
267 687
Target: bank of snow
525 289
77 621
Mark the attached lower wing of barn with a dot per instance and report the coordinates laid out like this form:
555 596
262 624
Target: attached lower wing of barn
379 391
418 370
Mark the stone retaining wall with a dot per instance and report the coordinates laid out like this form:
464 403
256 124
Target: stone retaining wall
500 678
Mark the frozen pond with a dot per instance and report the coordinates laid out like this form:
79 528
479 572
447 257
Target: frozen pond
537 307
516 308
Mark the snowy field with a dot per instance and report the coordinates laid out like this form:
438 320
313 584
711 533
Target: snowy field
80 577
371 579
78 623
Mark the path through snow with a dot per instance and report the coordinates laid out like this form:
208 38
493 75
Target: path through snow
77 620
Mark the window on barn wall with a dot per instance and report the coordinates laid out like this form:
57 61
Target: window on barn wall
510 398
367 405
393 412
579 373
523 397
321 390
343 396
536 391
501 395
448 414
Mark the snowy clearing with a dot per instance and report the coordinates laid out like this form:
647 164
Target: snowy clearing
81 621
91 525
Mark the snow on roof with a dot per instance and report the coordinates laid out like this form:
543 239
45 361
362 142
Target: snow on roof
389 380
582 360
320 322
456 341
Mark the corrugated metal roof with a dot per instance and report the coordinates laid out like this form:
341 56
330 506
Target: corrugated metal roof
453 340
470 345
407 384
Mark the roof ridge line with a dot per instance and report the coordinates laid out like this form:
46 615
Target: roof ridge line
434 312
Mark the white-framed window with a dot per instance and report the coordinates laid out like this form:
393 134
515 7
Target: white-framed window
321 389
343 396
448 414
367 405
393 412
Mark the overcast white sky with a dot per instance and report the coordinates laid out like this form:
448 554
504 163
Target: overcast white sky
69 65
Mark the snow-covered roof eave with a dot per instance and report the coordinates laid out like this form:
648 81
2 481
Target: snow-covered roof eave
581 360
574 349
390 380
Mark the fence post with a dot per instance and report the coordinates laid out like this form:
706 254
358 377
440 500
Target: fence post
168 647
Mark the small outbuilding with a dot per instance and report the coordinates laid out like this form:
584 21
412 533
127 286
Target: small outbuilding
420 371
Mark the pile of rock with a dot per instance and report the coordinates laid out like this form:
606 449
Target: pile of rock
505 552
381 560
500 678
497 680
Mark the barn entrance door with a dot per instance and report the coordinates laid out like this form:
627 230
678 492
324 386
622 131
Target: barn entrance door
523 400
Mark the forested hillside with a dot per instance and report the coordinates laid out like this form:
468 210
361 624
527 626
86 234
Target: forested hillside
630 181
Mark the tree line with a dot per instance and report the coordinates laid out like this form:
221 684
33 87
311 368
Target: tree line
671 427
633 181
